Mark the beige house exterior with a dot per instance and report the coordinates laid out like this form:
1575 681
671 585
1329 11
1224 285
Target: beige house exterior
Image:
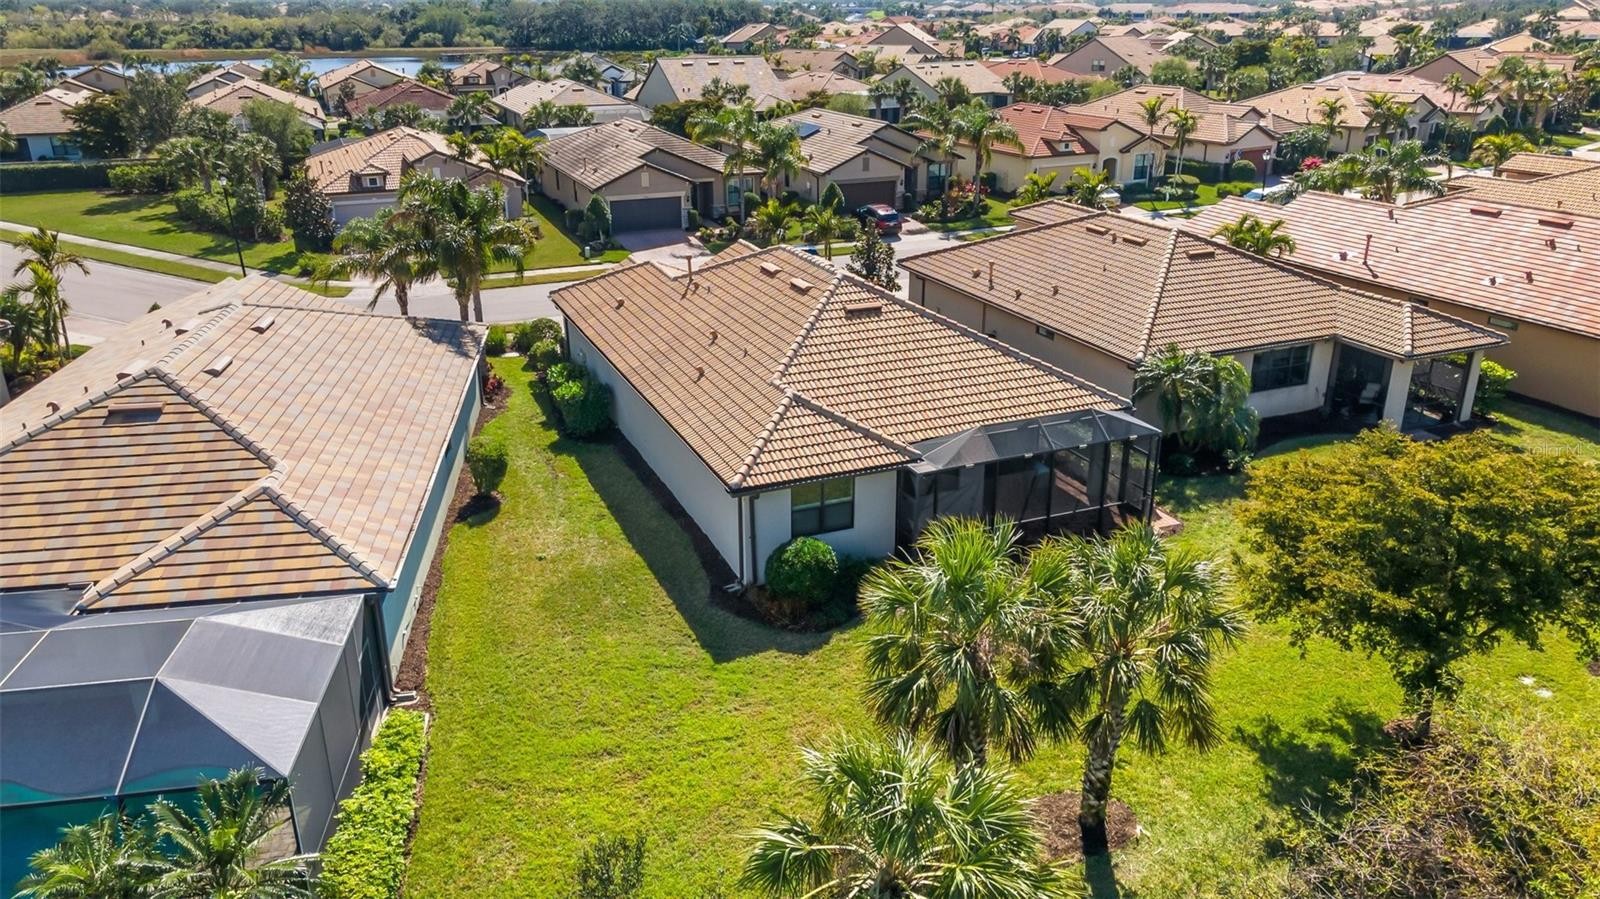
675 79
1061 140
364 177
651 178
870 160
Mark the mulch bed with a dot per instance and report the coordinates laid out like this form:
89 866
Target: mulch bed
1594 668
1056 816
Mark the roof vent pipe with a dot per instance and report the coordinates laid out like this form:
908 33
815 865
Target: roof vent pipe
1367 250
991 274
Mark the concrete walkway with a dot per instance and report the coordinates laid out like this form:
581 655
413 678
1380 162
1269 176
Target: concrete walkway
133 250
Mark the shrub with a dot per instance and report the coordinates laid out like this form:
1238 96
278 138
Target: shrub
525 334
1187 184
1494 381
141 178
495 343
584 403
694 219
545 354
611 868
833 197
309 213
22 177
365 857
803 570
251 220
1242 170
487 462
573 219
562 372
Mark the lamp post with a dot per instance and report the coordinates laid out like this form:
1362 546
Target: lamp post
1266 166
233 227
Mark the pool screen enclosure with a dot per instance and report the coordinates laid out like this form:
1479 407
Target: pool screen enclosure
1079 472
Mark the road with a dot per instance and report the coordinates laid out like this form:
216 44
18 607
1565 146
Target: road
108 296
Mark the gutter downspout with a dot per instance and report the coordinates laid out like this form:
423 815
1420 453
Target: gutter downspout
753 562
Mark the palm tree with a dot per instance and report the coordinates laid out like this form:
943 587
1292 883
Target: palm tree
732 128
252 158
891 823
1181 383
952 91
216 851
1256 236
467 110
877 93
1330 111
385 249
1151 111
776 150
822 224
968 644
1183 123
1388 172
1150 618
1035 187
464 229
1495 149
1385 112
112 857
1087 186
905 95
771 220
983 128
188 156
8 141
46 260
288 72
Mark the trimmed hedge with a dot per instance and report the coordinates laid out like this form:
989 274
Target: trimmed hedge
584 403
366 856
545 354
525 334
487 462
22 177
141 178
495 343
803 570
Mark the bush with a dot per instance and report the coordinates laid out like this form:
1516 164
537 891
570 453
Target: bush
1242 170
1225 191
309 214
487 462
1494 381
525 334
495 343
22 177
573 219
611 868
804 570
141 178
563 372
694 219
207 211
584 404
545 354
365 857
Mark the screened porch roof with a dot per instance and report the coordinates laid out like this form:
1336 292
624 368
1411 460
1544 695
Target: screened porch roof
1019 439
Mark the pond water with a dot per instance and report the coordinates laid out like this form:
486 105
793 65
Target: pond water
406 65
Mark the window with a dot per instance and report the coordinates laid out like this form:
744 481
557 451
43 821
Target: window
822 507
866 163
373 181
1273 369
936 177
1044 332
1098 65
1142 163
1507 324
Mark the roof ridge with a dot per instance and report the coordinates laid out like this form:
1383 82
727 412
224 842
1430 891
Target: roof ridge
748 464
337 545
60 416
1149 326
854 425
806 328
227 427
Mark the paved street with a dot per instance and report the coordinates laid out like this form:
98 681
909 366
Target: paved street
434 300
109 295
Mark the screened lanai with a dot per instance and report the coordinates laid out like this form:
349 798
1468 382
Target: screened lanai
1082 472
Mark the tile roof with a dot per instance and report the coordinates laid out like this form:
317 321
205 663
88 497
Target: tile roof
233 99
1404 87
1546 164
746 33
600 154
560 91
1216 122
797 60
1051 131
1135 51
1576 191
1299 104
775 368
1128 288
407 91
798 85
839 137
1032 68
1438 249
391 152
689 75
44 113
328 81
975 75
483 68
250 440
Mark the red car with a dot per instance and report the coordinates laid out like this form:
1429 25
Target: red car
881 216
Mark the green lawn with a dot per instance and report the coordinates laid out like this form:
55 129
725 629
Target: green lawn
996 214
1205 195
583 684
133 260
558 248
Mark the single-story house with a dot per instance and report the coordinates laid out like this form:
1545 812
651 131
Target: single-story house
674 79
801 85
1224 132
364 75
364 176
216 79
982 83
1056 139
41 127
651 177
406 92
913 38
218 526
1102 55
1067 29
1529 166
1096 293
1301 105
1503 255
485 76
1474 63
615 78
515 105
871 161
844 63
102 78
745 37
234 98
776 397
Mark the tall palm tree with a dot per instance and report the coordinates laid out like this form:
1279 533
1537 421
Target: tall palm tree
967 642
188 156
1330 112
112 857
1152 111
892 823
465 230
1183 123
941 133
1256 236
1390 171
467 110
776 150
878 93
952 91
984 129
46 261
288 72
1385 112
731 127
905 95
387 250
1495 149
1181 384
216 850
1150 619
823 224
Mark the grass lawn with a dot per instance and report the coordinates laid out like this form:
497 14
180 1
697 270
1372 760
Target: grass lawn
583 685
133 260
1205 195
996 213
558 248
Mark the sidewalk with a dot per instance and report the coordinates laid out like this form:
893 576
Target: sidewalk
131 249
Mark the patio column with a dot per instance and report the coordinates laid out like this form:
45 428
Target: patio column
1470 392
1399 392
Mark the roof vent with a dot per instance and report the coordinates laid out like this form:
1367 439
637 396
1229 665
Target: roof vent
263 323
1018 294
1563 224
1342 256
187 326
1136 241
135 367
801 285
132 413
713 335
1097 229
1492 280
218 366
864 307
1201 253
619 303
1528 276
977 273
770 269
54 407
1484 210
699 372
166 323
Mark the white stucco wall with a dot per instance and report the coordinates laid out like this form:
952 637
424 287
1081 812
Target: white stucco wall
1300 398
873 534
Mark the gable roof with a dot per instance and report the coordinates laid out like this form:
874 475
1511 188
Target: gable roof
1134 51
1216 122
830 139
407 91
975 75
800 84
1032 68
1051 130
44 113
600 154
483 68
391 153
1542 267
798 60
746 33
560 91
251 440
328 82
1128 288
1300 104
1575 191
775 368
1541 164
687 76
233 99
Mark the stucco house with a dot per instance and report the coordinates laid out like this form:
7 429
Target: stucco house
1302 105
1102 55
1056 139
776 397
433 102
844 63
234 99
41 127
871 161
650 177
364 76
745 37
364 176
218 527
674 79
1096 293
979 80
514 105
1224 132
486 76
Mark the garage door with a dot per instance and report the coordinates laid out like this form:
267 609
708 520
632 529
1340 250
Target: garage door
642 215
860 193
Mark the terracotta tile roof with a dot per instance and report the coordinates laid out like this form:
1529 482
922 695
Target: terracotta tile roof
329 80
796 60
44 113
775 368
483 68
746 33
1576 191
1128 288
1050 212
560 91
1135 51
250 440
404 92
390 152
1439 249
1032 68
1217 122
599 155
233 99
1299 104
1540 164
1051 131
689 75
1404 87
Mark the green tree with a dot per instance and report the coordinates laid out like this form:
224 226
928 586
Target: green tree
833 197
1183 123
1151 112
1035 187
216 850
385 248
1148 620
152 109
968 644
468 111
1174 71
100 128
46 261
733 128
1087 185
983 129
1204 400
1385 112
1495 149
281 124
464 228
308 212
1425 553
775 150
611 868
288 72
892 823
952 92
112 857
873 260
597 215
771 220
1256 236
1388 172
823 224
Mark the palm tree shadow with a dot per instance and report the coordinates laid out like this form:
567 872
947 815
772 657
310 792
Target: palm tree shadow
1100 876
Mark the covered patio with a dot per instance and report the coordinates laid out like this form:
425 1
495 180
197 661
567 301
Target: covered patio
1085 472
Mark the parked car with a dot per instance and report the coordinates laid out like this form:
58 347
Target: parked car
1279 193
881 216
1109 198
